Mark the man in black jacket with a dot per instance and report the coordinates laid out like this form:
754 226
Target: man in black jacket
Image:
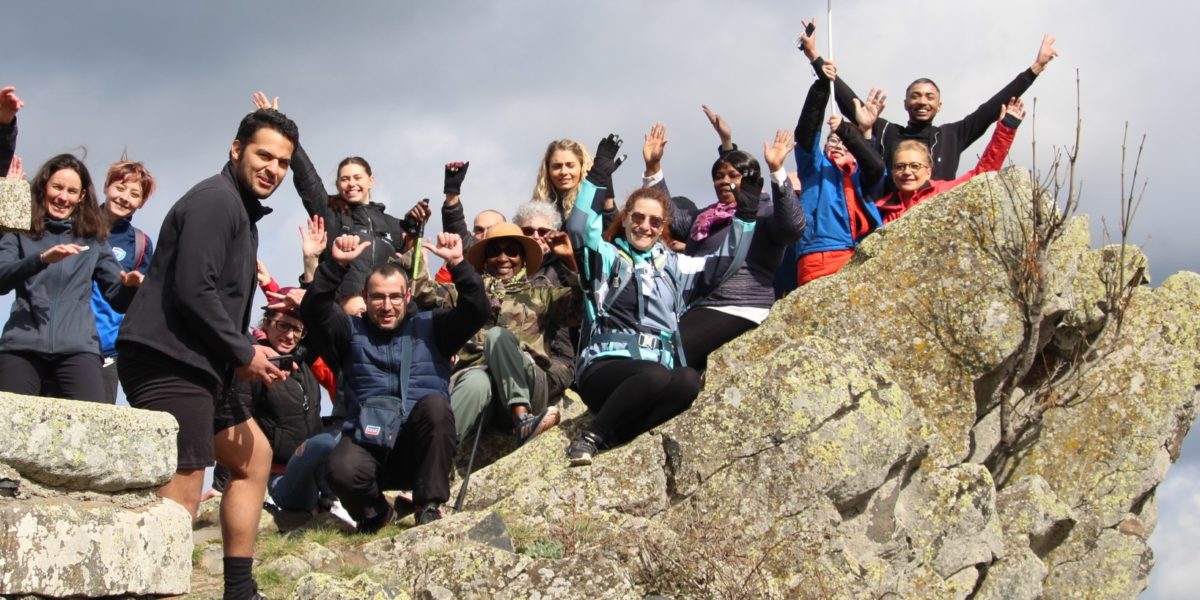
393 371
185 335
923 101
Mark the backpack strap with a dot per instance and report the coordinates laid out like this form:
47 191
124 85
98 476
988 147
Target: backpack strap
139 247
406 350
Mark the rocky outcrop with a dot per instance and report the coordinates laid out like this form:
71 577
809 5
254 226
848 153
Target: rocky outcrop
848 447
78 514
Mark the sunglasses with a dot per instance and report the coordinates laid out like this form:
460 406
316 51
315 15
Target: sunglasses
537 231
510 249
656 222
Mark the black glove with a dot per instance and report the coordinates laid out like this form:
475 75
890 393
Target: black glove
606 161
456 172
749 194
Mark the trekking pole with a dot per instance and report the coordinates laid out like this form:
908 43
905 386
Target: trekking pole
462 491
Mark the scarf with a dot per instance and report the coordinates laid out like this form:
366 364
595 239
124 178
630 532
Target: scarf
711 217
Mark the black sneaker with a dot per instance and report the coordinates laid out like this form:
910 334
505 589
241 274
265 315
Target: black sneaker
428 514
583 448
379 522
531 425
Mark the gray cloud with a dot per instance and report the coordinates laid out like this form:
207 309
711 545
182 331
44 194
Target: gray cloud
411 86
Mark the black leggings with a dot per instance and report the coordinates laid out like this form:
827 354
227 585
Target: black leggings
704 330
71 376
630 397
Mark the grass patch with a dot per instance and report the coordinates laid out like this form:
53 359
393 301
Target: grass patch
544 549
272 583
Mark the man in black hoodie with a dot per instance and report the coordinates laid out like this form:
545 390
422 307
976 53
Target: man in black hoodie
185 335
923 101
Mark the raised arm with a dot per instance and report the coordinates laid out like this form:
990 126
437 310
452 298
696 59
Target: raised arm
787 222
808 126
454 219
10 104
304 174
327 324
652 152
584 224
974 125
871 167
724 131
996 151
455 326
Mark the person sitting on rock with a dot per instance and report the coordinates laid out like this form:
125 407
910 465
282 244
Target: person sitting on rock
631 368
508 366
289 414
911 165
393 367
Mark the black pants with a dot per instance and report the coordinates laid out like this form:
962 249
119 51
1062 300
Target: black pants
630 397
420 460
704 330
71 376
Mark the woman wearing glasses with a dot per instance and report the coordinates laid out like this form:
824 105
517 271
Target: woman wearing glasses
911 165
630 367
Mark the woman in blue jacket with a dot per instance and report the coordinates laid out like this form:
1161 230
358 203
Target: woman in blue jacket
631 371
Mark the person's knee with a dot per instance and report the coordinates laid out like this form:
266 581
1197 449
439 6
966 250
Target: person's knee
346 470
687 380
244 450
499 337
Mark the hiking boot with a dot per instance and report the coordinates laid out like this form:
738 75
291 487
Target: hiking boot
529 426
428 514
583 448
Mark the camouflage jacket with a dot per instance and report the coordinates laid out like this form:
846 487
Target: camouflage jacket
536 312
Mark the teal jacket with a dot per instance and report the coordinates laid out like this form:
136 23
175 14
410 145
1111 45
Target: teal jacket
632 299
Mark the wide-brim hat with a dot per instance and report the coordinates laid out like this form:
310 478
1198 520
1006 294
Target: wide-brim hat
533 252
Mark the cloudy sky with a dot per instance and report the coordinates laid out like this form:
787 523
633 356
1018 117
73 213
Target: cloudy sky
410 88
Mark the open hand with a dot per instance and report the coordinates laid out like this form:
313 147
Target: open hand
653 147
1046 53
314 240
16 169
1015 107
720 125
777 152
58 252
261 102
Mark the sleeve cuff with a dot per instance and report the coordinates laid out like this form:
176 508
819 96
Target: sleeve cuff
653 179
779 176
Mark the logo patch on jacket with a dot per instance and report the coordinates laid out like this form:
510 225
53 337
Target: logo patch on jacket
371 430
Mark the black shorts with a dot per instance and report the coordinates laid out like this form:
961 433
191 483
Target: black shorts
153 381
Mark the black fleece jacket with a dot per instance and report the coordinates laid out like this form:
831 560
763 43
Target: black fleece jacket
194 306
946 141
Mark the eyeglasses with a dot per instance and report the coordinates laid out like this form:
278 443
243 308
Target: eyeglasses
286 327
537 231
510 249
656 222
914 167
396 299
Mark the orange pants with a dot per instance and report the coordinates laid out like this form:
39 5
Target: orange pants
819 264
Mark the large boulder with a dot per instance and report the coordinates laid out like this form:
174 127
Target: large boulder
79 515
851 445
86 445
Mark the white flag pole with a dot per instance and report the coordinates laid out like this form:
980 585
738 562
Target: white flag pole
829 36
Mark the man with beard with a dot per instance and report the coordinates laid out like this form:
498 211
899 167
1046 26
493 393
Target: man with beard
185 335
